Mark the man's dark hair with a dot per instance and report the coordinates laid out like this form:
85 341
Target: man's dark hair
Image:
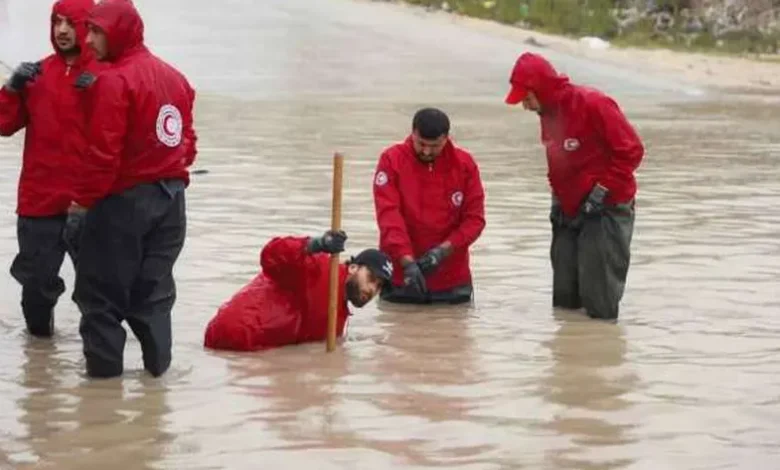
431 123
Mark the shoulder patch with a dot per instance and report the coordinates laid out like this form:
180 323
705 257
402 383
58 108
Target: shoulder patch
169 125
457 198
380 179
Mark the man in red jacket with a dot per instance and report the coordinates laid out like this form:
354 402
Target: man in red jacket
141 142
592 154
42 98
430 208
287 302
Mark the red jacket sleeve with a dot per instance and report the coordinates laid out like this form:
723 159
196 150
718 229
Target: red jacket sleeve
190 137
393 235
13 115
622 140
106 132
473 211
286 260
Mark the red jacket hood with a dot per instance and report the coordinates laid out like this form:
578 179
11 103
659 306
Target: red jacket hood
122 25
77 11
534 73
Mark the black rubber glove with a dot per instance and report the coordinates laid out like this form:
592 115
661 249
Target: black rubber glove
431 259
84 80
414 280
330 242
594 204
25 72
592 207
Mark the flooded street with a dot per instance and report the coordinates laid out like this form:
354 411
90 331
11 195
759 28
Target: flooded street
688 379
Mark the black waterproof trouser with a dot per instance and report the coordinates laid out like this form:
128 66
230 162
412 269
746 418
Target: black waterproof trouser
43 242
402 295
590 260
130 244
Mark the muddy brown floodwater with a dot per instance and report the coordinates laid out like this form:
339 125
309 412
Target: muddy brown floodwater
688 379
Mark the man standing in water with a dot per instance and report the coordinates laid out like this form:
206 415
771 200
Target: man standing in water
430 208
141 144
42 98
287 303
592 154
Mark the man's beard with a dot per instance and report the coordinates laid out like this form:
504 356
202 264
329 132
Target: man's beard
425 159
71 51
353 294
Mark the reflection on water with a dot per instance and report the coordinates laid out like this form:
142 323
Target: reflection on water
686 380
588 382
74 423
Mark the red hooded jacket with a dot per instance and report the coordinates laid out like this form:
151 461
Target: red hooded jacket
286 303
140 123
52 110
587 137
420 205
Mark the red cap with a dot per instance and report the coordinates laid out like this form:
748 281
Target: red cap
516 95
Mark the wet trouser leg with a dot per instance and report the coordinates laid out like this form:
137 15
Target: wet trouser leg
36 267
130 243
71 235
563 254
154 291
590 262
604 256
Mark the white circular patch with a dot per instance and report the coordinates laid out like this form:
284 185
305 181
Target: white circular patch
169 125
571 145
457 198
381 178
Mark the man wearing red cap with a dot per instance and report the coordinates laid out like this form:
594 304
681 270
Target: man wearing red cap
592 154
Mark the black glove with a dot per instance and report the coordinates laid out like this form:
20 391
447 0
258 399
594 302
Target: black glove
330 242
414 280
25 72
84 80
594 204
592 207
431 259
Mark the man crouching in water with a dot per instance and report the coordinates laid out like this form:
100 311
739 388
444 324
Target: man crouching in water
287 302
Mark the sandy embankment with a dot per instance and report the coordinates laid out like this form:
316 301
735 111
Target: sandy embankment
732 73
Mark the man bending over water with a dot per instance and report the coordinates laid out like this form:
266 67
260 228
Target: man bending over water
287 302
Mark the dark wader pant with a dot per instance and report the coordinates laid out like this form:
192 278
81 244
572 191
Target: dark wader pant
43 242
401 295
129 245
590 261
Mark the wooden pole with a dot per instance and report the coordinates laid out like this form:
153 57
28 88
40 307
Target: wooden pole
335 224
